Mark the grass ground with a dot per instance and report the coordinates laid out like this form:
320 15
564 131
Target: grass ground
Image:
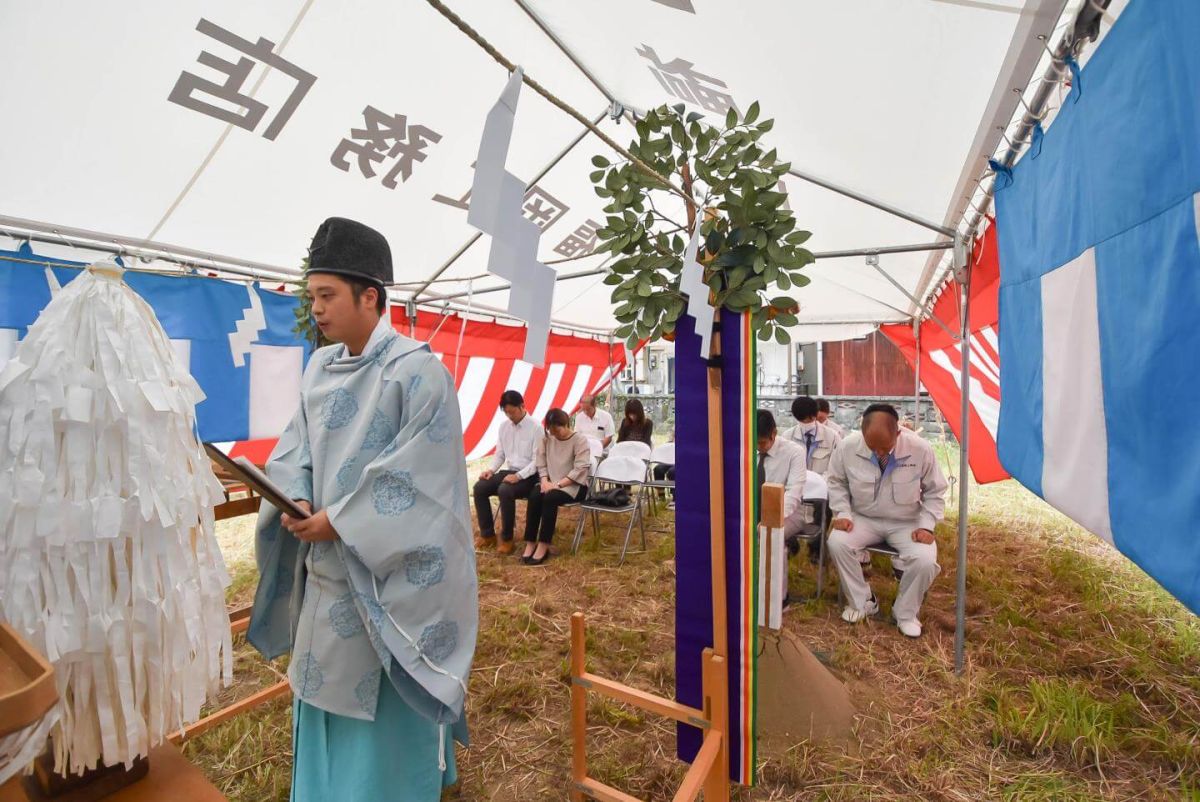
1082 677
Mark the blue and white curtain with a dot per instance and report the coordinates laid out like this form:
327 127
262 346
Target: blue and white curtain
236 339
1100 297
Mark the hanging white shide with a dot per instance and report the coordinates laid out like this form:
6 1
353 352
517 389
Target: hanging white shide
108 560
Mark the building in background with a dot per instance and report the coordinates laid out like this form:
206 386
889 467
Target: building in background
651 372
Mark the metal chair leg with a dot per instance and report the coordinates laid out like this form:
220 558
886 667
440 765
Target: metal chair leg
642 526
821 567
628 532
578 532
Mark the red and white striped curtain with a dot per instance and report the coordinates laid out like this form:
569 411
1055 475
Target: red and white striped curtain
484 358
941 358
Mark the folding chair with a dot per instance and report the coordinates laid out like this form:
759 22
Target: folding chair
615 471
631 448
597 448
885 550
664 456
816 527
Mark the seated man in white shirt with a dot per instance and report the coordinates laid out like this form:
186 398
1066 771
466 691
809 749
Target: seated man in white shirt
824 416
817 440
516 448
782 462
885 486
594 423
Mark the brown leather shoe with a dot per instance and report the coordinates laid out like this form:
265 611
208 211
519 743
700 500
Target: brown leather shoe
482 542
505 547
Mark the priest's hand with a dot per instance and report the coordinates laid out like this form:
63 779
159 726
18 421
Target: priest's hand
547 486
487 475
844 524
288 521
922 536
511 479
313 529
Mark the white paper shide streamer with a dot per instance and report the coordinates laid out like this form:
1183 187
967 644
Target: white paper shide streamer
108 560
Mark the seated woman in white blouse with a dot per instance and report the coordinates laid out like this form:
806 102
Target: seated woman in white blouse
564 460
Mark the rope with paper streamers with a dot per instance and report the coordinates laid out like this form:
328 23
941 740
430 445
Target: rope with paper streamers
476 37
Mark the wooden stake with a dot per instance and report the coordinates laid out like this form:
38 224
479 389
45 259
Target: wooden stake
716 706
771 519
578 708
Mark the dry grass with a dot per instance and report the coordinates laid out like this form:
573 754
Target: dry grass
1082 678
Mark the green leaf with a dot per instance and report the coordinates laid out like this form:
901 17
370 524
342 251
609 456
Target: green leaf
751 113
783 281
764 333
766 125
600 161
783 302
693 116
798 237
731 117
741 298
596 176
781 335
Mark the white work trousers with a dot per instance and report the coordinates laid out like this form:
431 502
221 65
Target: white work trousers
918 561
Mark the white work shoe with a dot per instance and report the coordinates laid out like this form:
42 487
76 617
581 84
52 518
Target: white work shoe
909 626
852 615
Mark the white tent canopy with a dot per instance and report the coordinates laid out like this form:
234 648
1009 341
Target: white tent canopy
895 99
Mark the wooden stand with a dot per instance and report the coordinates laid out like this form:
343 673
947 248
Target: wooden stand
98 783
706 774
27 692
170 778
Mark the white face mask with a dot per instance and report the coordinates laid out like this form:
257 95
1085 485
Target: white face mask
808 427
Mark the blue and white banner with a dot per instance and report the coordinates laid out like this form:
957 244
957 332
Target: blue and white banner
235 339
1100 298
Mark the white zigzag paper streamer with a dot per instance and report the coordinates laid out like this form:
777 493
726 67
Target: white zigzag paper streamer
496 209
253 321
691 281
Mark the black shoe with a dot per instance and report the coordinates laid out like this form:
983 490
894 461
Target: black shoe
538 560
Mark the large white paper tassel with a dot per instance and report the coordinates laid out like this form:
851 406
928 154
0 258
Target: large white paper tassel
108 561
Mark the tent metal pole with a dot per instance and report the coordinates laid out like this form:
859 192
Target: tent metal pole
922 311
475 237
100 242
19 228
562 277
924 246
819 255
917 381
869 201
964 478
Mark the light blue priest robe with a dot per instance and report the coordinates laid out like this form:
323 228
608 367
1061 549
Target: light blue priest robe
377 443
